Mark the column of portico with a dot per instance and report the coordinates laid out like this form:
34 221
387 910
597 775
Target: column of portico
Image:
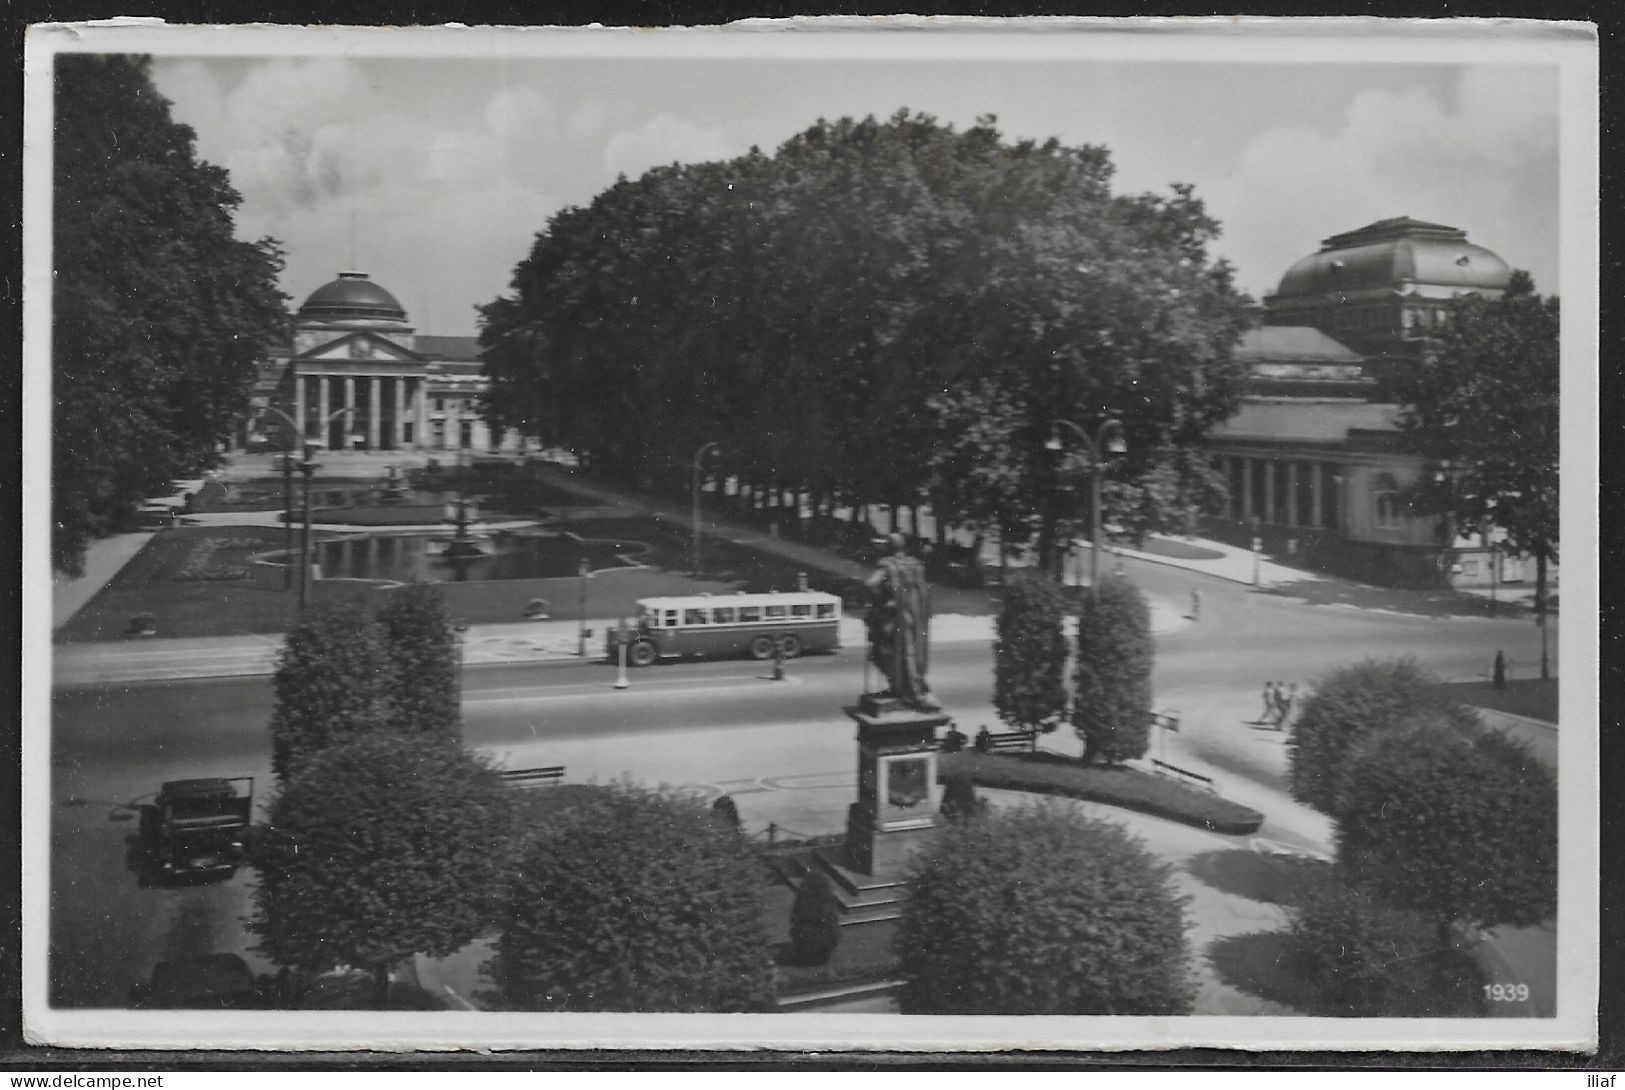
1269 490
454 423
349 403
322 409
421 395
298 399
399 428
1246 488
375 411
1317 496
1292 494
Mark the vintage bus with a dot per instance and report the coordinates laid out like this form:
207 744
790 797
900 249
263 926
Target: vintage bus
731 624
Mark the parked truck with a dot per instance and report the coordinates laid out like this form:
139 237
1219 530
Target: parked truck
198 826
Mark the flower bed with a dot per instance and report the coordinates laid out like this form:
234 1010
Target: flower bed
1131 789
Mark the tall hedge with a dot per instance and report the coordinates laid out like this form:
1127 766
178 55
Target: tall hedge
1353 704
815 920
1042 911
1029 653
326 683
634 900
1460 825
1111 701
422 690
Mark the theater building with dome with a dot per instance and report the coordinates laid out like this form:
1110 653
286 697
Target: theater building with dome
354 348
1313 458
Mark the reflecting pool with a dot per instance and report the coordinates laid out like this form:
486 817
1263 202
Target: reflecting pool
521 554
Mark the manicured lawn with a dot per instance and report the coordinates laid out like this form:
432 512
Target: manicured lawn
191 581
1131 789
1177 550
1531 698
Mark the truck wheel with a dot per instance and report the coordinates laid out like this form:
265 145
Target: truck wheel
761 648
641 653
791 645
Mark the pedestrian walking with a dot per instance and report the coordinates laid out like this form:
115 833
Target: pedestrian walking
1289 706
1268 714
1278 713
1196 604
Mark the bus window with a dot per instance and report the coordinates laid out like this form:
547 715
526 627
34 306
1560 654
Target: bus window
696 616
671 618
826 610
750 613
724 615
801 611
775 613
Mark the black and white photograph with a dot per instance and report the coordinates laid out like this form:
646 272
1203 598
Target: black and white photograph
914 534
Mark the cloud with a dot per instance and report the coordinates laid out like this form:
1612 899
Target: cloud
1485 162
665 139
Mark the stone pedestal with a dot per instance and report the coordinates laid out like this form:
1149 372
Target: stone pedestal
898 796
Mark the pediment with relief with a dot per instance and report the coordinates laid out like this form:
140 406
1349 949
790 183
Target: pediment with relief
361 346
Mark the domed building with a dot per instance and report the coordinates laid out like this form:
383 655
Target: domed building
1313 458
354 348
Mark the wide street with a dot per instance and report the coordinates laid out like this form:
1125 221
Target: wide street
724 724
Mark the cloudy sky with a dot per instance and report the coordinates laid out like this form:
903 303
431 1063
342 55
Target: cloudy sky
434 174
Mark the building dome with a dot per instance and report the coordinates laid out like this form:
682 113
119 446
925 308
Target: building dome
351 297
1398 254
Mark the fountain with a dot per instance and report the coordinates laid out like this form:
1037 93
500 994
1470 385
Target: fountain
393 494
463 545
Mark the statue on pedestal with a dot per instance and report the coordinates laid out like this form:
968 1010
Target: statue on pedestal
899 624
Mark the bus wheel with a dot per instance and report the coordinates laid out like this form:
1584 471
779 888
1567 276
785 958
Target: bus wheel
761 647
641 653
791 645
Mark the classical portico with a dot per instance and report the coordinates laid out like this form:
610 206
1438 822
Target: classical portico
353 348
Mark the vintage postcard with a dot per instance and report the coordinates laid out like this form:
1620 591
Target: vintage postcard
858 535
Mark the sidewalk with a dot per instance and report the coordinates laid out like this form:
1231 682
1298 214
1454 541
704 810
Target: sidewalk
153 659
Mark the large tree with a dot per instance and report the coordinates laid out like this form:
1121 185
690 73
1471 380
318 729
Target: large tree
1042 911
1458 824
1482 410
378 848
1352 704
158 312
634 900
833 313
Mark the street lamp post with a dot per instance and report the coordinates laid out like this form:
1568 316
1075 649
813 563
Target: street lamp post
699 455
585 571
307 470
1097 446
287 521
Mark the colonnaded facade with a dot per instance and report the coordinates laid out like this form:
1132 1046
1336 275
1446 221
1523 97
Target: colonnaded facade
353 348
1313 458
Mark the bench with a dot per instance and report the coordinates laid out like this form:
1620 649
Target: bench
533 777
992 743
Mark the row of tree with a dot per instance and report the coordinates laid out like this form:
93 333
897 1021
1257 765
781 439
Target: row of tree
877 313
158 313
